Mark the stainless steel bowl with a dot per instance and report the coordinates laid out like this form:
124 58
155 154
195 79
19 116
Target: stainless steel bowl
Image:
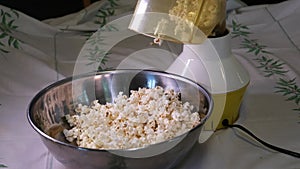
47 109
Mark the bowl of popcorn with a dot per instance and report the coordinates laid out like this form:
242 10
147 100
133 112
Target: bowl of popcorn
125 119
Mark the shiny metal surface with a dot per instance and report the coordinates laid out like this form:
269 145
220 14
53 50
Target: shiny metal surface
47 109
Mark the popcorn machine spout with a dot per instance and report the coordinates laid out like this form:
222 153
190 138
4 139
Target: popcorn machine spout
183 21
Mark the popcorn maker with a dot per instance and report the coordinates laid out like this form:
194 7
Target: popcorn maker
200 25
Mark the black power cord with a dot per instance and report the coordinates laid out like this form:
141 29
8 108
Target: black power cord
225 123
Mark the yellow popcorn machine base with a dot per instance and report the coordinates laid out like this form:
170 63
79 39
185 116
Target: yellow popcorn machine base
230 111
213 65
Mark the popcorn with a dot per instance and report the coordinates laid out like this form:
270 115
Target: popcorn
148 116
